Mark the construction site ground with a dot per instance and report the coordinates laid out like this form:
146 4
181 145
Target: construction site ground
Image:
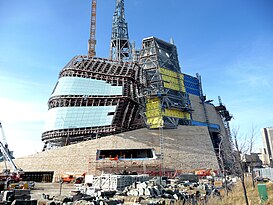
51 189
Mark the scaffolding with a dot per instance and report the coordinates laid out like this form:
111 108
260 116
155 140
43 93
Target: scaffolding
167 102
120 46
151 167
226 152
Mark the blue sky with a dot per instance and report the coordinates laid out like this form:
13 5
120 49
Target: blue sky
228 42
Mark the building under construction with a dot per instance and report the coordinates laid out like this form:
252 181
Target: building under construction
94 97
136 108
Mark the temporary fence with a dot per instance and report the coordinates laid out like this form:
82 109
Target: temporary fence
264 172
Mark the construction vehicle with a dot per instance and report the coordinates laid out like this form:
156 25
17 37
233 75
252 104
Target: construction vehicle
8 176
11 185
205 172
68 178
72 178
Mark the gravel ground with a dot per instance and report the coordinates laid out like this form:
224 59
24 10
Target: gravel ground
51 189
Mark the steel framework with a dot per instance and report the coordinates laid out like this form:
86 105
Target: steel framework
126 117
120 47
225 152
165 86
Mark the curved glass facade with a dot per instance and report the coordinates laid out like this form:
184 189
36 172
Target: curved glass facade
78 117
85 86
93 96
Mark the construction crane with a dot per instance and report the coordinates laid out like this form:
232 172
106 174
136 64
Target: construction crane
6 153
3 135
92 40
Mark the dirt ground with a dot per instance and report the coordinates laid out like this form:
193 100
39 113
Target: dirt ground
51 189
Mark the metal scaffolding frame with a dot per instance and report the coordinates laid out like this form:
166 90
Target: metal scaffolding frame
227 150
151 167
157 54
120 46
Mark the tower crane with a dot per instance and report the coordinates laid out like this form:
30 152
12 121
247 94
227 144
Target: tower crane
92 40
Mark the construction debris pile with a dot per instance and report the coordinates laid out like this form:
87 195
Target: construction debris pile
137 189
18 196
111 182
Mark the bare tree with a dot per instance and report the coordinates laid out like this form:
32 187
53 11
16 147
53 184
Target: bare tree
251 142
222 154
239 148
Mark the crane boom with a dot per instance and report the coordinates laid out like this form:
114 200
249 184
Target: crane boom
5 151
92 40
3 135
7 157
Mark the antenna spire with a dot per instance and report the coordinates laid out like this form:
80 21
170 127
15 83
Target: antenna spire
120 47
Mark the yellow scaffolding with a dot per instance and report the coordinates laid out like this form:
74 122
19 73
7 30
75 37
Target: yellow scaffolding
154 112
176 114
172 80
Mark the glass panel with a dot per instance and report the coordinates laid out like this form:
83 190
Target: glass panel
85 86
78 117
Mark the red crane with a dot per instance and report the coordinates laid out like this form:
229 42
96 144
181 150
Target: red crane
92 40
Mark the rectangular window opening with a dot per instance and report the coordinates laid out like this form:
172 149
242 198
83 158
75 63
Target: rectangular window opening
125 154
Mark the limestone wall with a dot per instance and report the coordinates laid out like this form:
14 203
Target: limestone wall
186 148
198 113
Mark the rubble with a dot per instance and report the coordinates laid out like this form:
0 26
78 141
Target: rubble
139 190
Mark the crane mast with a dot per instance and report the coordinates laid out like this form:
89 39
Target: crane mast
92 40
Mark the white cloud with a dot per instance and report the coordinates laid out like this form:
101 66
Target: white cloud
24 139
22 123
19 111
250 74
22 112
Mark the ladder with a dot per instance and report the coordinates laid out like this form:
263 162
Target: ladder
161 138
